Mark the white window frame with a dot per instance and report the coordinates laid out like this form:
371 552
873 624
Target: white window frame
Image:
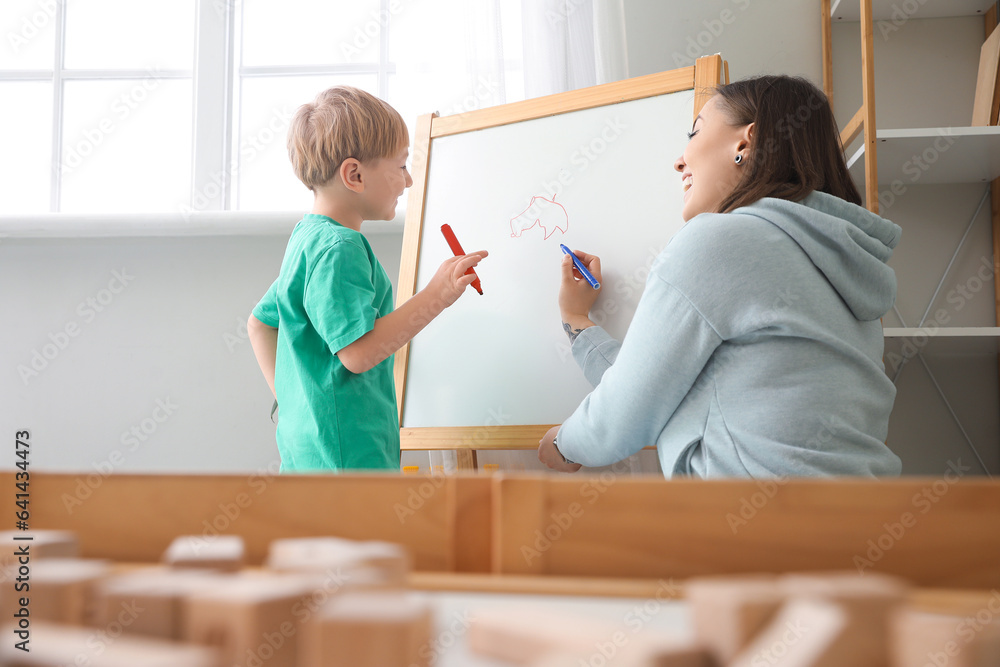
57 76
216 85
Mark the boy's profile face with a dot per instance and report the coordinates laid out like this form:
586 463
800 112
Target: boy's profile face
386 179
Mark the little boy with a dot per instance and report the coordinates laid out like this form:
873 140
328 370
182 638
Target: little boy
325 332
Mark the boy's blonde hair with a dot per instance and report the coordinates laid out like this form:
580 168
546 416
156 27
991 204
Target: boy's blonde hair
342 122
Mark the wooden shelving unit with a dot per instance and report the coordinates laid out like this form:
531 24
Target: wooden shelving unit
944 341
925 155
890 10
954 155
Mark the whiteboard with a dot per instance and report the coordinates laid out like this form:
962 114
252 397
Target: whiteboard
600 180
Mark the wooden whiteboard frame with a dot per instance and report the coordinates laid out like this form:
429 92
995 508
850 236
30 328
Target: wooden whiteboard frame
701 78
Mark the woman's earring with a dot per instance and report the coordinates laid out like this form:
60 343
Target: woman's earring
739 158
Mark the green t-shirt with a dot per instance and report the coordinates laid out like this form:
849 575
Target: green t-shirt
329 293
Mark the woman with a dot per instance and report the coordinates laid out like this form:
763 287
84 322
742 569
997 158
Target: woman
756 348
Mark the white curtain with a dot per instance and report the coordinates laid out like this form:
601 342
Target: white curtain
572 44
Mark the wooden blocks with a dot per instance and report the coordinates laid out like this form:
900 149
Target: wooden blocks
728 611
668 653
336 602
804 633
250 620
59 646
150 602
528 637
20 556
361 564
43 544
523 636
369 629
919 638
868 600
60 590
225 553
638 653
815 620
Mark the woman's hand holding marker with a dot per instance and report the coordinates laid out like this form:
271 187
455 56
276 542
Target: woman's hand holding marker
576 294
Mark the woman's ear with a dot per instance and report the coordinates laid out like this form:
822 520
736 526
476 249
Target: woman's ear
745 136
350 175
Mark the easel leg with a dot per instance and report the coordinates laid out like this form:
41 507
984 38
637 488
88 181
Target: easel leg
466 459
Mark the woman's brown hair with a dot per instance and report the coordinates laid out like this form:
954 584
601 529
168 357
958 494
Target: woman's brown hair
795 147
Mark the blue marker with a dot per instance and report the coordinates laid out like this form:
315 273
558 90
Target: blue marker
581 268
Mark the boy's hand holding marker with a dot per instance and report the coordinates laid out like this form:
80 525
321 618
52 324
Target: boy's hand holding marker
456 248
453 276
456 273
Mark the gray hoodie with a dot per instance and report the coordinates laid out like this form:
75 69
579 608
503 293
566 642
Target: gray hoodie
755 350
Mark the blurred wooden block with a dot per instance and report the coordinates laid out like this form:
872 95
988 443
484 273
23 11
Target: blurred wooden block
150 602
251 619
651 652
61 590
44 544
523 636
310 553
637 652
369 629
728 611
804 633
919 638
226 553
871 593
362 564
61 646
868 600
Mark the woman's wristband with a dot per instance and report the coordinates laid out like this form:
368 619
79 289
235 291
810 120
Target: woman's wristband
565 460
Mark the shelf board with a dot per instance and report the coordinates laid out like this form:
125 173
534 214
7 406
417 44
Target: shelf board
972 341
933 155
888 10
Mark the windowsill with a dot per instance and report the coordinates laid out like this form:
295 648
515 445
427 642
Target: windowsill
201 223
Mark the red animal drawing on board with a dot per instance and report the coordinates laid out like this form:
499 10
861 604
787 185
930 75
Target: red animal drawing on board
548 214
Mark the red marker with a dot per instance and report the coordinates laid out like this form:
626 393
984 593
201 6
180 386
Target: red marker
456 248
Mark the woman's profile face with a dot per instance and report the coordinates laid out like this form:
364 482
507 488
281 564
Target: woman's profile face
708 167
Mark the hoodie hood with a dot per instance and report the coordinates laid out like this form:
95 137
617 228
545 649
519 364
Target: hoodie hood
849 244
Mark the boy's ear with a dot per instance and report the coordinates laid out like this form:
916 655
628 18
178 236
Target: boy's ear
350 175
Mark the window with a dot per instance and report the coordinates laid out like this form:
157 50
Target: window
463 55
100 119
126 106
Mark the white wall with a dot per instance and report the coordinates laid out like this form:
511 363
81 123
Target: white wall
755 36
170 346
